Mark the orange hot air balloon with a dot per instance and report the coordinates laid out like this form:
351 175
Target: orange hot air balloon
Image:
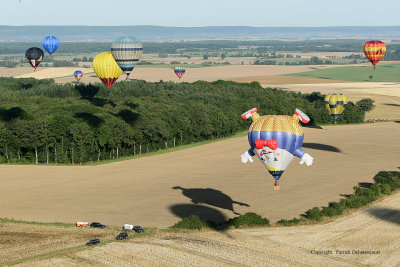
374 51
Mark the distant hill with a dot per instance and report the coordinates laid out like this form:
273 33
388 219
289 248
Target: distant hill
109 33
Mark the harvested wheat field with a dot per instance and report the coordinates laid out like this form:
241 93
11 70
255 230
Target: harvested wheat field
368 237
166 74
386 95
278 81
14 72
20 241
371 88
46 73
209 181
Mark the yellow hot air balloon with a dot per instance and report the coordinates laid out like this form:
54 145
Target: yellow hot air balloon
335 104
106 68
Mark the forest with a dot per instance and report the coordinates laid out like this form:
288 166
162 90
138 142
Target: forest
45 122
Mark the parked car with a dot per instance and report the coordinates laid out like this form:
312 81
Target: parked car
128 227
97 225
138 229
122 235
93 242
82 224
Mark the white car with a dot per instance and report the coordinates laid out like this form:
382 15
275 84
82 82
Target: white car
128 227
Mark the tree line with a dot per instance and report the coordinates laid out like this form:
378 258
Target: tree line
45 122
210 46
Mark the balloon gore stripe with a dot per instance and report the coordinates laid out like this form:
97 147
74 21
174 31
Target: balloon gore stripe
108 81
127 49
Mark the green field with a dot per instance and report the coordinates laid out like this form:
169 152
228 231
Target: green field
383 73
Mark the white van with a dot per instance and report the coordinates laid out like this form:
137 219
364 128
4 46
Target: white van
128 227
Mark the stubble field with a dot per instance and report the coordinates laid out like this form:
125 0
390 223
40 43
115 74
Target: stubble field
210 181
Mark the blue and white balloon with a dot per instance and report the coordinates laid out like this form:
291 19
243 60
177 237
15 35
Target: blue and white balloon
50 44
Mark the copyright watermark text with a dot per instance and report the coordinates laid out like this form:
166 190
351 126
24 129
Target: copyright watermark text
344 252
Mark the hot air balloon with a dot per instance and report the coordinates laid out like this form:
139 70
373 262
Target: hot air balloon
126 51
179 71
275 140
106 68
335 104
374 51
78 75
50 44
34 55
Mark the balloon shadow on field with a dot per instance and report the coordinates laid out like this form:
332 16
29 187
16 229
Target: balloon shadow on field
215 218
312 126
386 214
318 146
127 115
393 105
91 119
99 102
12 113
87 90
131 104
211 197
365 185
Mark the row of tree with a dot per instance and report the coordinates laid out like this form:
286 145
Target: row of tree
312 61
211 46
44 122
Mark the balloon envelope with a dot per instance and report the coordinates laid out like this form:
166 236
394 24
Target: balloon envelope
285 130
34 55
50 44
78 75
179 71
335 104
106 68
127 51
374 51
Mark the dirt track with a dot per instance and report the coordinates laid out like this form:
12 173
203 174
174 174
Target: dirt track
211 180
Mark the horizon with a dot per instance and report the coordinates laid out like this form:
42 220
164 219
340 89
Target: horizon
153 32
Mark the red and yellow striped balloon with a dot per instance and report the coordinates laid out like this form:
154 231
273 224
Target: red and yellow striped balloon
374 51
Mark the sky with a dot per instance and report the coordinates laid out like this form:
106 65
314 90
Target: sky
189 13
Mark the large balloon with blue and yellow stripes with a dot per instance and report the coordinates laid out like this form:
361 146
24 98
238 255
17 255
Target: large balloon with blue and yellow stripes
335 104
275 140
127 51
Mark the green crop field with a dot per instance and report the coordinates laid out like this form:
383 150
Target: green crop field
383 73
